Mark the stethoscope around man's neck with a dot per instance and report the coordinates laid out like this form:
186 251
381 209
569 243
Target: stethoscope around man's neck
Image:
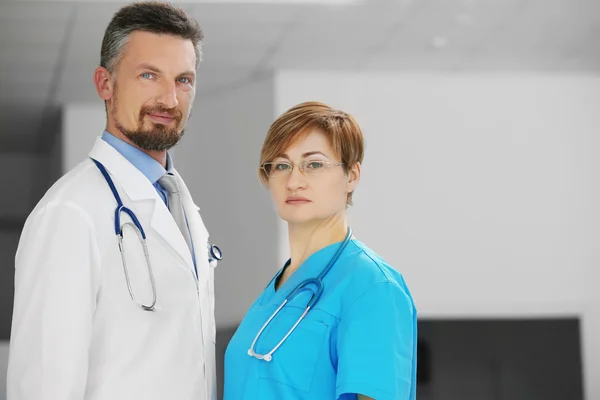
214 253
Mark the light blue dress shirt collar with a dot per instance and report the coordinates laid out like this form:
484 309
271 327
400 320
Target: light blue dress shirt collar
151 168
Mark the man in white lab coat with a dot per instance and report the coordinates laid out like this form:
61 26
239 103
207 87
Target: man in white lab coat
87 323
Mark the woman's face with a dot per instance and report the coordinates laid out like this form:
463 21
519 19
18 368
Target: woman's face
317 193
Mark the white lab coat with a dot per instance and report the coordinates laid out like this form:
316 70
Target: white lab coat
76 333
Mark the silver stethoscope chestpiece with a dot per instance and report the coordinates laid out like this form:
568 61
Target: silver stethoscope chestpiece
215 253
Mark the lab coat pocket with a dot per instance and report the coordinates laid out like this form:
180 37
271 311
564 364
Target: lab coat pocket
294 363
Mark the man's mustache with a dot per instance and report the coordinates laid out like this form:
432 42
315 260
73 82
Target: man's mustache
171 112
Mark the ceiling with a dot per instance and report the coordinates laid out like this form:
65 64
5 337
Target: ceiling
49 49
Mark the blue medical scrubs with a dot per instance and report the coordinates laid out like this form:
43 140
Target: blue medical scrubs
361 337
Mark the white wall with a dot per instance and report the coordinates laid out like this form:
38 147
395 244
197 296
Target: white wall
82 124
481 190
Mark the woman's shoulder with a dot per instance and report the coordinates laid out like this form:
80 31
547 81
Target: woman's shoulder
363 268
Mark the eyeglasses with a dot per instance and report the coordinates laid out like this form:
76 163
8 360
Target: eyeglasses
283 168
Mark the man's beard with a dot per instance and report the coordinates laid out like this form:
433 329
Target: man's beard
159 137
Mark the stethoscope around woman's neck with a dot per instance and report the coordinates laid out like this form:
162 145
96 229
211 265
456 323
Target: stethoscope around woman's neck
294 263
303 286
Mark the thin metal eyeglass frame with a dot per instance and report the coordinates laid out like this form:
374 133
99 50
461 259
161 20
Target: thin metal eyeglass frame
300 166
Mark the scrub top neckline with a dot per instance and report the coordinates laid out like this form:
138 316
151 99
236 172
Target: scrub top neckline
310 268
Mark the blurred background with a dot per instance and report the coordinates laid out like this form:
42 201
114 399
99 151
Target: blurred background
479 183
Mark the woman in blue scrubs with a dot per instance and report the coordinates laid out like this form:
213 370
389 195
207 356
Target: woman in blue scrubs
359 340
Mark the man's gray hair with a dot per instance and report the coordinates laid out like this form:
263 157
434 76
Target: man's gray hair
148 16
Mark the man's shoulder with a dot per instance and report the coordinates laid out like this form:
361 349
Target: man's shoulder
73 187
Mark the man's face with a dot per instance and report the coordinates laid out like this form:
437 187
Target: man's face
153 90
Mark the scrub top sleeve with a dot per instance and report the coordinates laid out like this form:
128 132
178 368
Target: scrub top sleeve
376 342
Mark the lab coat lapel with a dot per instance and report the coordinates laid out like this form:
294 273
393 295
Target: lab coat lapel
199 236
145 201
165 226
198 231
